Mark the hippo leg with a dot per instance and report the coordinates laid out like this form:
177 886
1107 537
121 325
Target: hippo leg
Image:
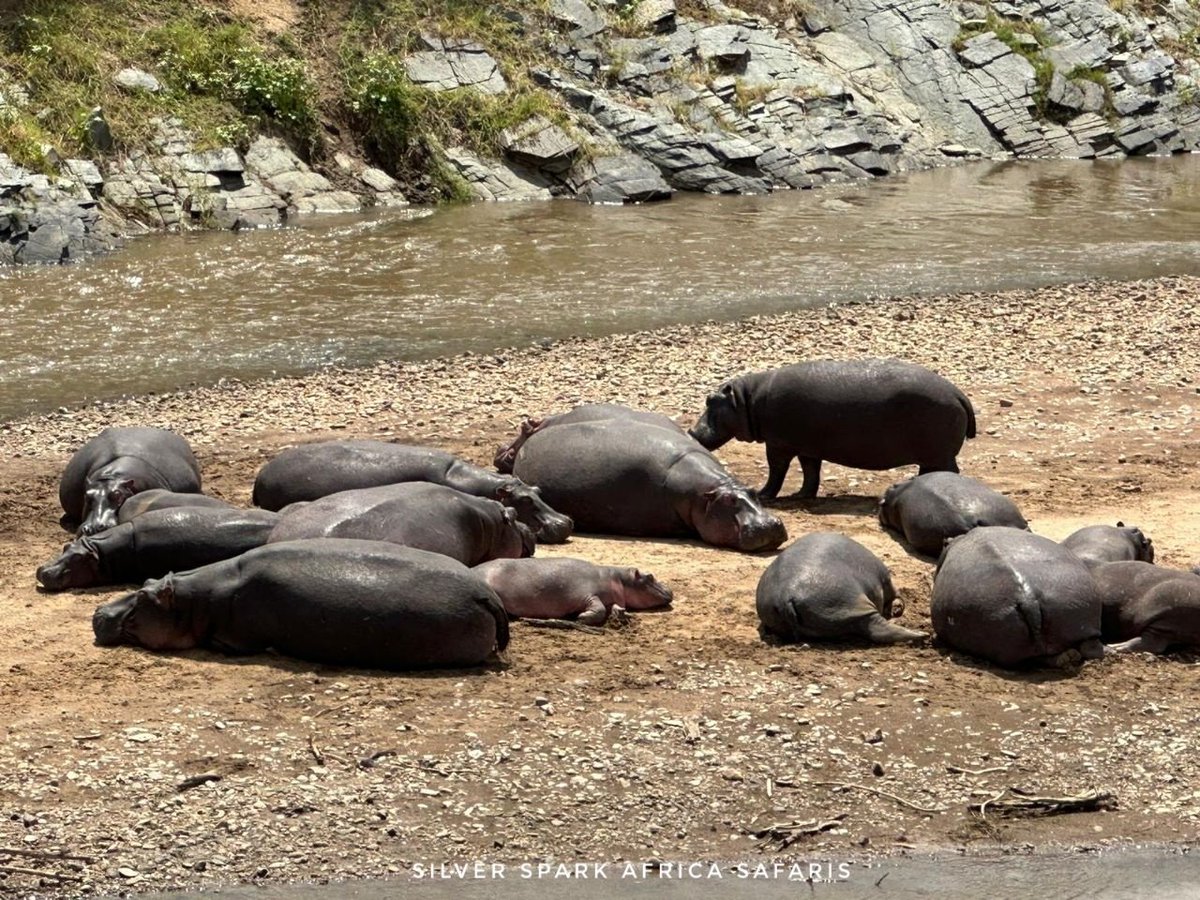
1148 642
951 466
811 467
778 461
880 631
595 613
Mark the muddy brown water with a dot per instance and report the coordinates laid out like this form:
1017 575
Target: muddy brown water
173 310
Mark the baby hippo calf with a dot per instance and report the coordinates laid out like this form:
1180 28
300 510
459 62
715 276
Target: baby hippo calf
1148 608
1097 544
826 586
932 508
566 588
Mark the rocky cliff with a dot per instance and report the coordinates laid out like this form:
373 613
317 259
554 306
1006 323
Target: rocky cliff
643 98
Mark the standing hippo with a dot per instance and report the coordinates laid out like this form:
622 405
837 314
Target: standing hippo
623 477
1015 598
1096 544
416 514
565 588
827 587
932 508
155 543
343 602
118 463
311 471
1148 608
863 413
591 412
157 498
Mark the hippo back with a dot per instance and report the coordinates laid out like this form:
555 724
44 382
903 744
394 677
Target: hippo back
312 471
1013 597
609 476
311 599
157 499
932 508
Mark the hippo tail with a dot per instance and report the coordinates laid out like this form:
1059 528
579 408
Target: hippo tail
491 602
970 410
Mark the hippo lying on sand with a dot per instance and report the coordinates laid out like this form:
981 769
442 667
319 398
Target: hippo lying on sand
1016 598
416 514
311 471
929 509
118 463
591 412
863 413
826 587
1096 544
354 603
624 477
155 543
157 498
1148 608
571 588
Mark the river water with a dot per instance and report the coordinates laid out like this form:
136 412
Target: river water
171 310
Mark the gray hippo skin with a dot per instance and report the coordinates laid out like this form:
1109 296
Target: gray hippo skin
863 413
118 463
571 588
312 471
416 514
355 603
827 587
1096 544
591 412
1016 598
1148 608
930 509
155 543
622 477
157 498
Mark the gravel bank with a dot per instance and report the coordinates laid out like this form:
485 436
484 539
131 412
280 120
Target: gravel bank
677 737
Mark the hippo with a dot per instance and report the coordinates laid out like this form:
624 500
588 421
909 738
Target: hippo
862 413
1148 608
564 588
626 477
932 508
117 464
1096 544
330 600
827 587
1016 599
157 498
155 543
416 514
312 471
591 412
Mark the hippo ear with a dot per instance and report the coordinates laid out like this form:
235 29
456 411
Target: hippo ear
503 492
163 596
1120 524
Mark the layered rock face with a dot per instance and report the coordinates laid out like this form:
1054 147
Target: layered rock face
715 100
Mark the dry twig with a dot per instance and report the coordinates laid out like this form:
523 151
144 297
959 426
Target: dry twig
1017 802
18 870
784 834
929 810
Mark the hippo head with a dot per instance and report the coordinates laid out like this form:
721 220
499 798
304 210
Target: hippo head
101 501
548 526
517 540
643 591
150 617
732 517
888 516
79 566
1143 547
723 419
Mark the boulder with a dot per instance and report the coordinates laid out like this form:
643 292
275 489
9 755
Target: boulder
623 178
137 80
540 144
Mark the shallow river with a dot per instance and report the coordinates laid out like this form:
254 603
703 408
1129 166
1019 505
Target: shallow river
176 309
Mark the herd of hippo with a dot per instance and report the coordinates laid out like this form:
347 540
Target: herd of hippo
384 555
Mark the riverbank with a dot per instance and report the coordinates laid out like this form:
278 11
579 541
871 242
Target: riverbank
678 737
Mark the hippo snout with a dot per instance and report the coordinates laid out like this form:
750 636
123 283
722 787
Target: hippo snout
52 576
704 436
97 522
108 623
555 528
766 534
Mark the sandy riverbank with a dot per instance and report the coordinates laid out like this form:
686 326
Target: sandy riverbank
675 738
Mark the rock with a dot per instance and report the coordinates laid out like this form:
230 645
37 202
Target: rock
582 20
655 15
137 80
85 171
98 134
223 160
47 243
378 180
624 178
449 65
726 45
983 49
496 180
540 144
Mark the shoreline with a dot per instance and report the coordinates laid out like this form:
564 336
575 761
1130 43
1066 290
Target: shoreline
678 737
